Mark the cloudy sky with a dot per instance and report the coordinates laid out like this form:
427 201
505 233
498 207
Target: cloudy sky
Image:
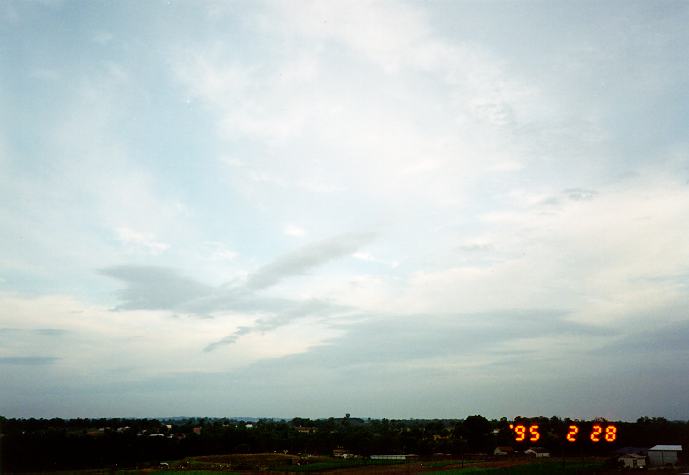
308 208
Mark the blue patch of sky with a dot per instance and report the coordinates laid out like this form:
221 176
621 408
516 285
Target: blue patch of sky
174 140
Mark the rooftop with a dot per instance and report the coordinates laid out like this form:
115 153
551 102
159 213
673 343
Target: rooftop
667 447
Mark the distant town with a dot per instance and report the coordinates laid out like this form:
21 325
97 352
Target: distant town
352 444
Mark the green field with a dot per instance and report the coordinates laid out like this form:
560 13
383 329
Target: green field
541 468
230 465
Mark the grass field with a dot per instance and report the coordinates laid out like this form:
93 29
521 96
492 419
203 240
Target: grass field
446 463
242 464
538 468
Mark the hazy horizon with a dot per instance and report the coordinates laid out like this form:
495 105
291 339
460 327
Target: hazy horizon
395 209
365 418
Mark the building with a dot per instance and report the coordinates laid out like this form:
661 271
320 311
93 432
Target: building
538 452
503 450
402 457
342 453
662 455
632 461
306 430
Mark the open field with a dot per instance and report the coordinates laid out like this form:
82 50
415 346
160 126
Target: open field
277 463
280 463
457 467
521 467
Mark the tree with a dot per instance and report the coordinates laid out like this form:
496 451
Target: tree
478 433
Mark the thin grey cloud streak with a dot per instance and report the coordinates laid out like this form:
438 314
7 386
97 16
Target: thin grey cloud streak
158 288
671 337
33 331
291 310
155 288
28 360
307 258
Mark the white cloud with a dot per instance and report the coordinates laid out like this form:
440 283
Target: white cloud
367 257
393 138
294 230
602 259
149 343
391 35
141 240
217 251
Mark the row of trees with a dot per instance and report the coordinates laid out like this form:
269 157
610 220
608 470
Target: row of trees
49 444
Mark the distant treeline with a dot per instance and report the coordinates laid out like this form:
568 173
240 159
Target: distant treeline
53 444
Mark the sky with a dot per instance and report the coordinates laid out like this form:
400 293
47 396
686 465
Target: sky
311 208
